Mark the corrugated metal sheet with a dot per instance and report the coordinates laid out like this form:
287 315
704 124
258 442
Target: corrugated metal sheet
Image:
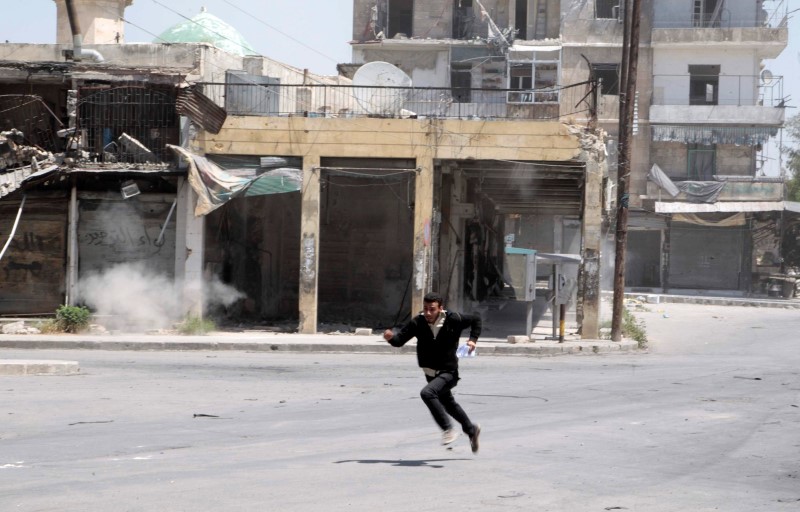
199 108
12 179
647 221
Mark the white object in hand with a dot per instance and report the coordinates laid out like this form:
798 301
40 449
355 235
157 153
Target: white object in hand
463 351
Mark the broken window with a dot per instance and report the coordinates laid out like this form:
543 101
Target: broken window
703 84
607 9
463 19
461 82
401 15
707 13
608 74
520 75
702 162
537 79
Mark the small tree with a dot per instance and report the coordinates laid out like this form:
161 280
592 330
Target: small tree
793 160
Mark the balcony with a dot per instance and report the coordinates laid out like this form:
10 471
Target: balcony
764 29
347 101
717 99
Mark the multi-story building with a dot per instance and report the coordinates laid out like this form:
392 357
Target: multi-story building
389 191
703 216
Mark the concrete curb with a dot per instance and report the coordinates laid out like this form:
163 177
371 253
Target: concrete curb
315 345
38 367
657 298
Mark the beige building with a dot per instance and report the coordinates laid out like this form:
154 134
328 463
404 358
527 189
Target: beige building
703 216
398 191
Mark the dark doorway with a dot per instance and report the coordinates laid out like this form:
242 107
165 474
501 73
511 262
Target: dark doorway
643 259
703 84
401 16
366 241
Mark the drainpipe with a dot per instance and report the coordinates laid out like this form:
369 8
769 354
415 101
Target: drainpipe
78 52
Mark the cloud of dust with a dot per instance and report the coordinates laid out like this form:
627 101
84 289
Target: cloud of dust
133 298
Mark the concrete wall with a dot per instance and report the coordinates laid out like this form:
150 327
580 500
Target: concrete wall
393 138
32 271
101 21
679 13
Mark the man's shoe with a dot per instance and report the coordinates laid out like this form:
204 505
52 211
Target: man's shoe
473 439
449 435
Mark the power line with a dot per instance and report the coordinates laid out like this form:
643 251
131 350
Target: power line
279 31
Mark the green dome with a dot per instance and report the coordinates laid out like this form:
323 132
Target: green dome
207 28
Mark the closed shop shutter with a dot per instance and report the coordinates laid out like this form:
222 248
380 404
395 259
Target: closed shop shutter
705 258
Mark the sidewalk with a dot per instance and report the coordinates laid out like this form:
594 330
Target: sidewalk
493 342
265 341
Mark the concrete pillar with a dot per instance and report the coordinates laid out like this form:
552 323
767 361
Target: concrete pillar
592 240
72 248
100 21
423 216
309 245
189 247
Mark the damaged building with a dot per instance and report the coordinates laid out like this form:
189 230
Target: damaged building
87 177
703 215
320 199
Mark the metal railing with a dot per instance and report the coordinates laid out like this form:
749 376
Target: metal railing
772 14
736 90
346 101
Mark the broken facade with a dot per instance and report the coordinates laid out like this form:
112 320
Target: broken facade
399 194
705 108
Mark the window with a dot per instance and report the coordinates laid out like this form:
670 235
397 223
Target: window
707 13
463 19
703 84
461 82
702 162
401 15
609 76
521 75
521 17
537 79
606 9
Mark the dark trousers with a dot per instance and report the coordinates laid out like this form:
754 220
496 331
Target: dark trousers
438 396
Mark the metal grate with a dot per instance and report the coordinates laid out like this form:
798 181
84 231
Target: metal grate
144 113
32 116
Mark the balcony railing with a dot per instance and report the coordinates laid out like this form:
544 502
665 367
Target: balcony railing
772 14
730 90
345 101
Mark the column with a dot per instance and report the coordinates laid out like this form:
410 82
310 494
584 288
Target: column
592 240
423 216
309 245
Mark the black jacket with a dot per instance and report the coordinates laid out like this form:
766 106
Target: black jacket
438 353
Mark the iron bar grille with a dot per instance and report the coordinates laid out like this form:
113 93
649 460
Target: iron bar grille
33 117
343 101
144 113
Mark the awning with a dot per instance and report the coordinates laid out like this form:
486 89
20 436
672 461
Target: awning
215 187
709 134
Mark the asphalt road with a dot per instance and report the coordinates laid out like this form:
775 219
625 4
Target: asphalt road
707 419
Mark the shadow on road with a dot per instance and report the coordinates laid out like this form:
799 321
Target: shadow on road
403 463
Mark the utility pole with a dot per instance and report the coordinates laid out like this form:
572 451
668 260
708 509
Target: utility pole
630 60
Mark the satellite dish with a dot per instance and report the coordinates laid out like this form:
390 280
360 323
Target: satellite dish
766 76
374 91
